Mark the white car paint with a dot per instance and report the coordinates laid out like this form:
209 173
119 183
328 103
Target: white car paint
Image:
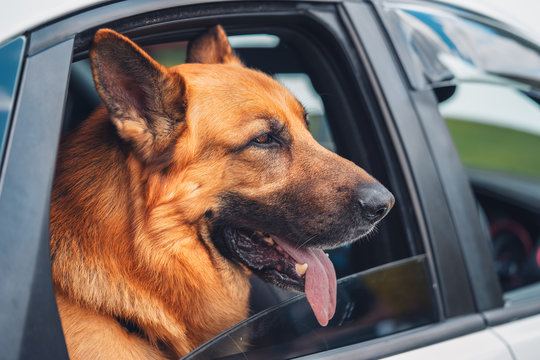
523 337
483 345
517 340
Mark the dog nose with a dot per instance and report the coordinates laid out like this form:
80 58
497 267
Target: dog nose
375 201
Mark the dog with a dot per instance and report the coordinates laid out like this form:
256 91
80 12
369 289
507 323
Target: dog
186 181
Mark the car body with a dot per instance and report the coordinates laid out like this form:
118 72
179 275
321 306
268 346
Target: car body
439 103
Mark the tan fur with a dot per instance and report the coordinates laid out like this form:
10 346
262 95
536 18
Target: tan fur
111 266
136 181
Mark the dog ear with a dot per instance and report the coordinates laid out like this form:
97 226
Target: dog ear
212 48
145 101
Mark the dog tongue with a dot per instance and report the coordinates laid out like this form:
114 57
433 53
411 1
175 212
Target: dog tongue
321 287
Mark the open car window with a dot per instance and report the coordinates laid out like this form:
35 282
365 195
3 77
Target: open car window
386 286
277 56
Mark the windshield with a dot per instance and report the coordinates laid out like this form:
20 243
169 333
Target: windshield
374 303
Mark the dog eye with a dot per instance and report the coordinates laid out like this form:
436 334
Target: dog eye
264 139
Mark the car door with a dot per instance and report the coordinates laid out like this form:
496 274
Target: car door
482 84
407 287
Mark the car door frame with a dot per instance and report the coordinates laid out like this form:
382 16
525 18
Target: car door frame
30 323
473 239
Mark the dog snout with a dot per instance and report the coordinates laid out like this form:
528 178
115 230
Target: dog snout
375 201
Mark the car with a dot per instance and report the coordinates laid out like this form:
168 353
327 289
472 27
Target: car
440 103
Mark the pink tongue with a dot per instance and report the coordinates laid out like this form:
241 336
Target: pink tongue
321 285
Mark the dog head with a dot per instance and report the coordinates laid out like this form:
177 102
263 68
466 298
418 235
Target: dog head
227 150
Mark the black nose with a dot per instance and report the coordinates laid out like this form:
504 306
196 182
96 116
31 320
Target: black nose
375 201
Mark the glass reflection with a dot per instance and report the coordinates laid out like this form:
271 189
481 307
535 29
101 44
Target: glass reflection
10 61
438 40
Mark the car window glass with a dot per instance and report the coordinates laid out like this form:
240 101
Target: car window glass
496 130
487 84
374 303
10 63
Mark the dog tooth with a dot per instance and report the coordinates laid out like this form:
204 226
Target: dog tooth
301 269
327 254
269 240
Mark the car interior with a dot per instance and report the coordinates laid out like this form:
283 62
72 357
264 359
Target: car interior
513 215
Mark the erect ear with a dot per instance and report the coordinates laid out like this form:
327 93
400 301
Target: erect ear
212 47
145 101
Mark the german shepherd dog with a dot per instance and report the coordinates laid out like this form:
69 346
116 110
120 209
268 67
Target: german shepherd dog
184 183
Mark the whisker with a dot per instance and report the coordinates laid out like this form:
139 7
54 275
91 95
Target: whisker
308 240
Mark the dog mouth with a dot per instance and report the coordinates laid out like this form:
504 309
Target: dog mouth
292 267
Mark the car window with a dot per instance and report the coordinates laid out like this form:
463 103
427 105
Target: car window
496 129
10 63
438 39
487 82
386 286
283 63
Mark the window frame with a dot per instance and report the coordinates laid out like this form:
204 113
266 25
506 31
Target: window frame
30 322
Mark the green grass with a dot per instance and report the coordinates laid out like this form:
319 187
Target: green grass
495 148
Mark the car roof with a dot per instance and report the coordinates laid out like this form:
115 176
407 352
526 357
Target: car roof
19 16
